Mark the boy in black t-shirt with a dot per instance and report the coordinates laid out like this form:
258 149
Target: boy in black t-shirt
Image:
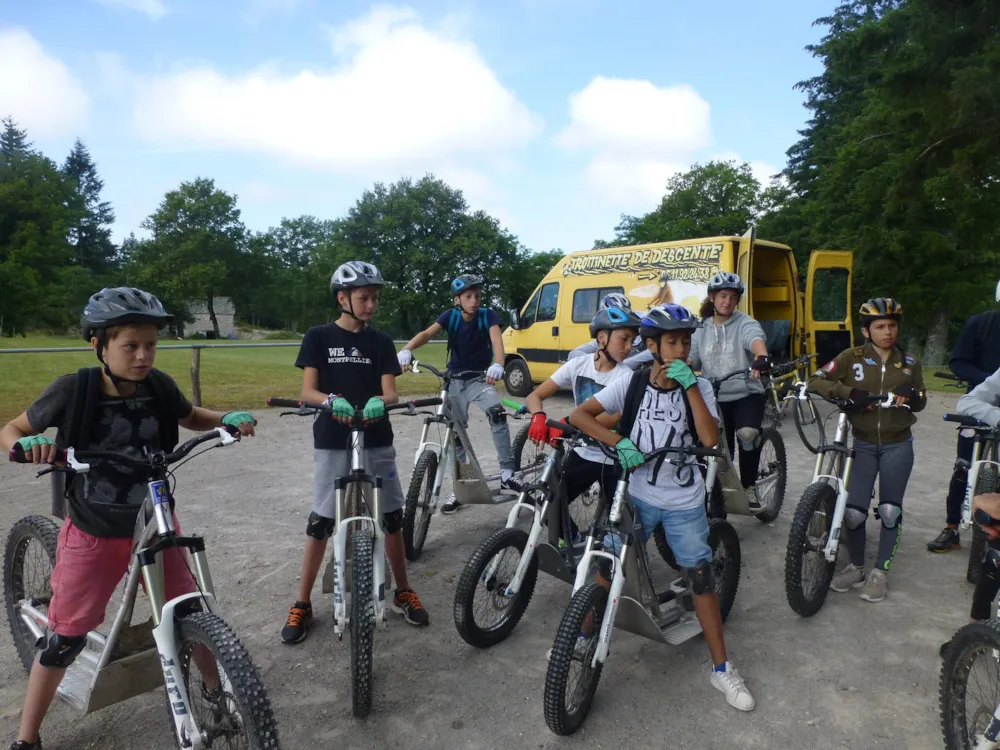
347 364
474 342
95 544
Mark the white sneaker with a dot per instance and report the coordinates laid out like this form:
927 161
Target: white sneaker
730 683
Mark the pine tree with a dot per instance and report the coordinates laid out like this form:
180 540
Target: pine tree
91 234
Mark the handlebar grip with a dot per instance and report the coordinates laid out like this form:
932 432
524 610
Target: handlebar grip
983 518
18 456
421 402
963 419
286 402
566 428
707 452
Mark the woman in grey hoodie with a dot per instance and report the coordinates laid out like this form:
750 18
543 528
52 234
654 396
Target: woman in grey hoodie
730 341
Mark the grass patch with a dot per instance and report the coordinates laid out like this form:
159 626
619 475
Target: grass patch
230 377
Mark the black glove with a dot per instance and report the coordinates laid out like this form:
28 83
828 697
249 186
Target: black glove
860 398
761 363
907 391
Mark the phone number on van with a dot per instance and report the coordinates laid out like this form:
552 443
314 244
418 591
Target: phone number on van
698 262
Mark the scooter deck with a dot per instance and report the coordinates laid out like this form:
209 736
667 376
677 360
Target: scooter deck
678 625
554 561
120 680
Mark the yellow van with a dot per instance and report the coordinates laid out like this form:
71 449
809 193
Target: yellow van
555 320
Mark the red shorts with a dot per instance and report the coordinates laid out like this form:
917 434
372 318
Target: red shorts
88 570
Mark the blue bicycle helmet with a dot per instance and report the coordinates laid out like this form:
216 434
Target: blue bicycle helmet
668 317
465 282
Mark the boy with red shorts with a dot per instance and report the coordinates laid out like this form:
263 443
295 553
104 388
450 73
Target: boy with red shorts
137 408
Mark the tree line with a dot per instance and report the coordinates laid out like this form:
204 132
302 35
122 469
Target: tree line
899 162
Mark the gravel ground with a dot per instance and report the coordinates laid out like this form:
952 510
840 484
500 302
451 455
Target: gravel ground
857 675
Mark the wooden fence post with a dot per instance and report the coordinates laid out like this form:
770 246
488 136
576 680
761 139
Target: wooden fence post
196 375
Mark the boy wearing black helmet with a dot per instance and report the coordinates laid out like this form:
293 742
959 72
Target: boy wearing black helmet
883 441
613 330
664 494
474 346
131 407
350 365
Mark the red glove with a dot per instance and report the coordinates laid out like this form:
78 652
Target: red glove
538 432
555 433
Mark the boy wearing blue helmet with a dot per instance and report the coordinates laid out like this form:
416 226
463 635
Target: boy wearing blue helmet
474 345
665 494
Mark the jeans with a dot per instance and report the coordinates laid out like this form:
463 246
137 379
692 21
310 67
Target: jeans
461 393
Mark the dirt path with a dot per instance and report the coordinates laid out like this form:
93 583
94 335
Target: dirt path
855 676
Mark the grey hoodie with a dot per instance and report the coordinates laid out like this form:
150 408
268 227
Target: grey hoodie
720 350
983 401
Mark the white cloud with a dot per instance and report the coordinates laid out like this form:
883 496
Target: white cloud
36 89
401 95
638 134
154 9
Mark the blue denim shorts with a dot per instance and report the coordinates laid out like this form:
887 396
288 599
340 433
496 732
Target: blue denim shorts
686 531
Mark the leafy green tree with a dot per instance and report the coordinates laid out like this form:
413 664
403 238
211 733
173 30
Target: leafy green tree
91 235
197 241
717 198
421 236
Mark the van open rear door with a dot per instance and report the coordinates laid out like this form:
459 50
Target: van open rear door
744 267
829 326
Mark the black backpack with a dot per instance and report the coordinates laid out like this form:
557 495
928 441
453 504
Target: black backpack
83 409
633 400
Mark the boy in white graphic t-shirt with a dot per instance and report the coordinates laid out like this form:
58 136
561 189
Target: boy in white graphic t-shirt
662 493
614 330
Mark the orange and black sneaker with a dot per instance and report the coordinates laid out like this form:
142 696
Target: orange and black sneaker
407 603
300 617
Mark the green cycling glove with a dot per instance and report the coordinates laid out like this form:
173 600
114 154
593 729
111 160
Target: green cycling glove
27 443
683 374
235 418
629 456
375 408
341 407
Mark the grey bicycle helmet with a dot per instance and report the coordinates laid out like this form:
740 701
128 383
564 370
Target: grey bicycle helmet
668 317
615 299
612 319
725 280
466 282
118 306
355 274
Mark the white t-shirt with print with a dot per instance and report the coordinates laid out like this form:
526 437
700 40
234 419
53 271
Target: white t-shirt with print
586 380
662 421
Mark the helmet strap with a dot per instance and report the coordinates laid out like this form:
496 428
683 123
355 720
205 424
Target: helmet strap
116 381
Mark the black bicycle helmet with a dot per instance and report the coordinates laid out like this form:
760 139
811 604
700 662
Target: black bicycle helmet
725 280
355 274
612 319
668 317
879 308
119 306
465 282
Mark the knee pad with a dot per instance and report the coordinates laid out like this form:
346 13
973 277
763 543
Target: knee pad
854 518
749 438
889 514
392 521
497 414
701 578
961 470
319 528
60 651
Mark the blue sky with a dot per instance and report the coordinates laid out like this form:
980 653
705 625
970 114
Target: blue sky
556 116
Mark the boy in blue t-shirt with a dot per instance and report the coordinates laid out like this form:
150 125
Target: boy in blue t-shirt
474 345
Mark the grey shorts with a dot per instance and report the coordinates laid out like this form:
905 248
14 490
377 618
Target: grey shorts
332 464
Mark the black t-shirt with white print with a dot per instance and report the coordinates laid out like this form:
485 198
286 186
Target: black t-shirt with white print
351 364
105 501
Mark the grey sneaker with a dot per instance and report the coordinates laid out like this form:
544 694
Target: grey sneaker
752 498
876 586
849 578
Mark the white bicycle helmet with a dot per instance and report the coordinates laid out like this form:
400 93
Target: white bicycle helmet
614 299
354 274
725 280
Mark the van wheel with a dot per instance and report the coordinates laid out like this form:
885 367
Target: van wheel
517 378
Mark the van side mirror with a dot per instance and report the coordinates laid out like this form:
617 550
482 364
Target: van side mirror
515 318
